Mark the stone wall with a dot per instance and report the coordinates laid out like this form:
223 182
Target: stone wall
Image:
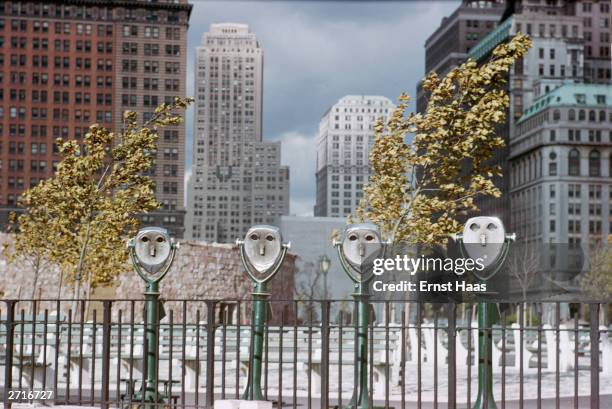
200 272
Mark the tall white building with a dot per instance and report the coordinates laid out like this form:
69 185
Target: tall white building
236 180
346 133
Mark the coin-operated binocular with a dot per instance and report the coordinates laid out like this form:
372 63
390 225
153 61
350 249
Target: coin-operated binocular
262 252
357 249
484 238
152 253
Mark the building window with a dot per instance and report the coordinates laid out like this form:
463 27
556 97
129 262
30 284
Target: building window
574 162
594 163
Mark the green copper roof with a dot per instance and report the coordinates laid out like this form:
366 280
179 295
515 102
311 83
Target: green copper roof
576 95
491 40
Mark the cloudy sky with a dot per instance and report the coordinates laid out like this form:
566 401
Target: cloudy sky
315 52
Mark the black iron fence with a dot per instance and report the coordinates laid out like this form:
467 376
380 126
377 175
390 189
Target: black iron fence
421 355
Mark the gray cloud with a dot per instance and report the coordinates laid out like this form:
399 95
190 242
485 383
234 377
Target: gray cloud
317 52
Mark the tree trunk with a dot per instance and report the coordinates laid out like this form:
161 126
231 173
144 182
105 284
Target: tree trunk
35 282
79 269
89 279
61 282
75 296
36 272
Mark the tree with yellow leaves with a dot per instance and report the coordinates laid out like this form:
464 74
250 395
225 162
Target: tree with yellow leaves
418 191
81 217
597 281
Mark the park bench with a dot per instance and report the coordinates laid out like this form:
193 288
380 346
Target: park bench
133 392
32 351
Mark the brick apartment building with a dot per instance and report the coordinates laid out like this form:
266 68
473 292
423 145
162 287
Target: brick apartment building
67 64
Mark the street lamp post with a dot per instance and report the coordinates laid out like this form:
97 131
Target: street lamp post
262 253
360 244
152 252
485 238
324 264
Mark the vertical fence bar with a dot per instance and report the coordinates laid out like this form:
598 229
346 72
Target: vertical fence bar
403 362
576 346
539 401
266 360
370 346
119 337
309 329
145 361
45 334
435 366
68 355
183 352
340 331
503 360
8 363
33 346
210 354
57 349
356 382
594 338
419 335
324 354
131 383
81 331
387 347
197 359
484 345
557 355
249 390
106 352
21 342
469 368
452 373
170 358
92 380
522 344
224 348
280 359
295 346
237 374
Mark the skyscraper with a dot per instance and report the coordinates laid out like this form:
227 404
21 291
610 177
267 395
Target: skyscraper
346 133
66 65
237 179
571 44
448 46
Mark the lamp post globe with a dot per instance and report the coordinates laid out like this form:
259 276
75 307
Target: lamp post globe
324 264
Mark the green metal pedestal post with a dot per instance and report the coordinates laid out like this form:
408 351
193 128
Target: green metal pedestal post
362 296
485 349
253 388
152 340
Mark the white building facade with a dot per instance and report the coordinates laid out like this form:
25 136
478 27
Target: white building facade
237 179
346 133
